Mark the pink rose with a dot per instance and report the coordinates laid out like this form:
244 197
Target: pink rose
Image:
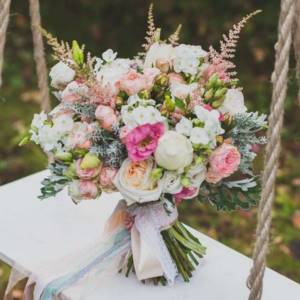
223 162
186 193
132 82
107 175
83 190
175 78
106 116
142 141
86 174
104 94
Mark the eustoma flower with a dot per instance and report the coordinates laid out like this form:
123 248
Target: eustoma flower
142 141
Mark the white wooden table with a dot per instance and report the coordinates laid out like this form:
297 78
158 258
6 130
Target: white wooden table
32 231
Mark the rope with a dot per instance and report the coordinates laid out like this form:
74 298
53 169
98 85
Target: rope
296 40
39 55
279 81
4 17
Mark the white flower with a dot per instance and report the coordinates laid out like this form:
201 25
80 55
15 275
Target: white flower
181 90
38 120
199 136
184 126
61 74
48 138
172 182
109 55
112 72
140 115
134 182
63 124
159 55
233 103
174 151
187 58
196 174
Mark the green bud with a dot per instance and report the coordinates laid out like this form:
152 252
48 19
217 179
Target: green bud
200 160
156 174
218 103
25 140
77 53
157 34
169 103
71 171
78 152
162 80
219 83
197 123
212 80
63 156
220 93
144 94
209 94
90 161
185 182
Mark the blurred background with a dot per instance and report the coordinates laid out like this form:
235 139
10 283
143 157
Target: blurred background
121 25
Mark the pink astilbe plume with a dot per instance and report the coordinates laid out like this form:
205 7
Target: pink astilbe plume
228 46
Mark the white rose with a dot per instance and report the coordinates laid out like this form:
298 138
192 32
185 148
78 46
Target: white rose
199 136
172 182
61 74
159 55
174 151
233 103
184 126
135 184
181 90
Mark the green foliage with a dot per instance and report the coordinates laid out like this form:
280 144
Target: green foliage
228 199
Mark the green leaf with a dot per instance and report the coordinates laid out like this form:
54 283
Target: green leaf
77 53
179 103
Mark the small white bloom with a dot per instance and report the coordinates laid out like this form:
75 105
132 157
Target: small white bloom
39 120
196 174
109 55
63 124
174 151
199 136
172 182
181 90
184 126
61 74
233 103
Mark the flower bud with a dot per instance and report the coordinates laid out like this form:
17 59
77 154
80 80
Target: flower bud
218 102
77 53
156 174
209 94
162 80
212 80
185 182
71 171
169 103
220 93
63 156
90 161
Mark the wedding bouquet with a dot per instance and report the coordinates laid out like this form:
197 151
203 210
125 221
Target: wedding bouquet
166 126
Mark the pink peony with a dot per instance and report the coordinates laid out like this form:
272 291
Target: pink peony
186 193
88 189
106 116
86 174
142 141
223 162
107 175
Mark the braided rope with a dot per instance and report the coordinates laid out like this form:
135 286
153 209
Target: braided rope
4 17
296 40
39 55
279 80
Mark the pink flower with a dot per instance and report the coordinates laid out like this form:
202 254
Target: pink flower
86 174
107 175
104 94
106 116
216 68
123 133
149 75
88 189
74 92
175 78
223 162
186 193
142 141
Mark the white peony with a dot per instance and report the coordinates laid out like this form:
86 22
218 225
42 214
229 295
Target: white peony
233 103
187 58
184 126
135 184
159 55
61 74
199 136
181 90
174 151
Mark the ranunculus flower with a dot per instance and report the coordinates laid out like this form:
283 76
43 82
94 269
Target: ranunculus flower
83 190
233 103
86 174
186 193
135 183
106 177
142 141
223 162
174 151
106 116
61 74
